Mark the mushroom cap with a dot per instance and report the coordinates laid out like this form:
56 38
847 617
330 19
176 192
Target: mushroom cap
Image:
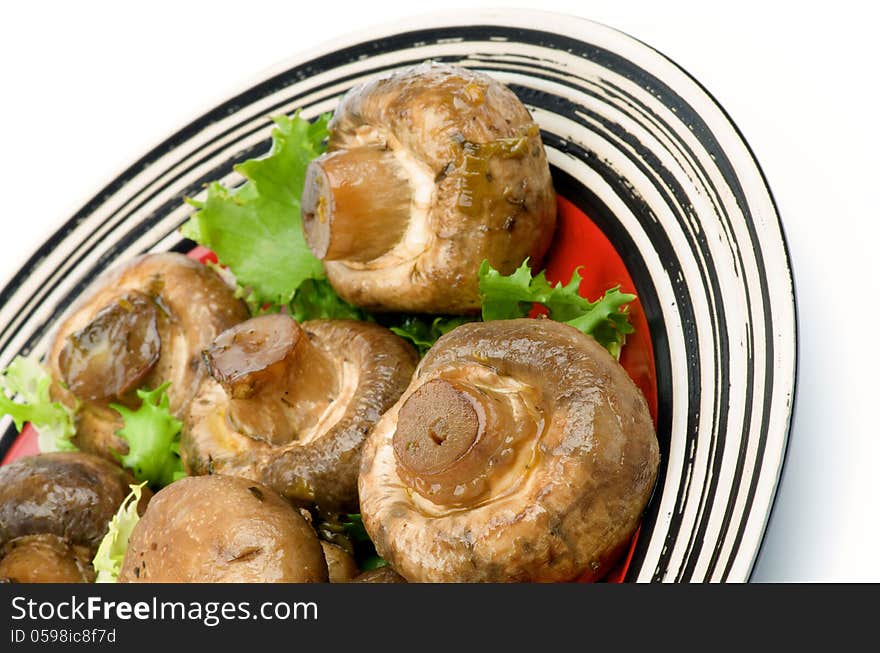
72 495
44 559
222 529
143 323
479 182
561 463
54 512
319 465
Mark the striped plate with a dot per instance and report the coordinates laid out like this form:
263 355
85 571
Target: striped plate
667 177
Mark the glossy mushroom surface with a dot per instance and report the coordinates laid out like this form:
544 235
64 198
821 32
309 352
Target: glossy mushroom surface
222 529
522 451
143 324
54 512
428 171
341 567
290 405
45 559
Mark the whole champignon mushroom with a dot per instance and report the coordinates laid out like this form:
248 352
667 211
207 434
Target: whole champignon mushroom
291 405
428 171
222 529
54 512
144 323
522 451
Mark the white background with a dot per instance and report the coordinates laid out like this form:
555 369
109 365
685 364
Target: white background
87 87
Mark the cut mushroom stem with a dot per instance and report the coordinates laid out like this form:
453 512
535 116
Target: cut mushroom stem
356 204
451 439
114 352
277 381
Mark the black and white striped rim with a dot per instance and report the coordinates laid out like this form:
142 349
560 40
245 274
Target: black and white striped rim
630 136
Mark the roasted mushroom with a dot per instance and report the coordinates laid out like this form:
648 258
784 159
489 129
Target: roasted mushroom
341 567
521 451
54 512
290 405
222 529
381 575
428 171
145 323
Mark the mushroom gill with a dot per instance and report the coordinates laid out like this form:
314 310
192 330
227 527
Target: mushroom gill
521 451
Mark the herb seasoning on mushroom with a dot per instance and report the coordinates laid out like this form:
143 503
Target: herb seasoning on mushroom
428 172
521 451
290 405
144 324
54 510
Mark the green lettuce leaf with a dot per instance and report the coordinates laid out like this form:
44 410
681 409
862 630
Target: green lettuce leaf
423 331
30 381
255 229
153 437
111 552
512 296
316 299
364 552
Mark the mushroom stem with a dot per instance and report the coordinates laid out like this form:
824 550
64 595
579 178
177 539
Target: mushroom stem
278 383
356 204
452 438
114 352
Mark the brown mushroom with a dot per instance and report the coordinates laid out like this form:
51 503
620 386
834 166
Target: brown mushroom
522 451
290 405
222 529
143 324
381 575
341 567
54 512
428 171
44 559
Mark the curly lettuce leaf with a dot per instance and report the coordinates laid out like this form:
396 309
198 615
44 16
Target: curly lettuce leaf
511 296
111 552
31 382
153 437
255 229
316 299
423 332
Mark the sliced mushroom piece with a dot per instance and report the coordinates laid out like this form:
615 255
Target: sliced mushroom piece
113 353
522 451
222 529
290 405
142 324
428 171
54 512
